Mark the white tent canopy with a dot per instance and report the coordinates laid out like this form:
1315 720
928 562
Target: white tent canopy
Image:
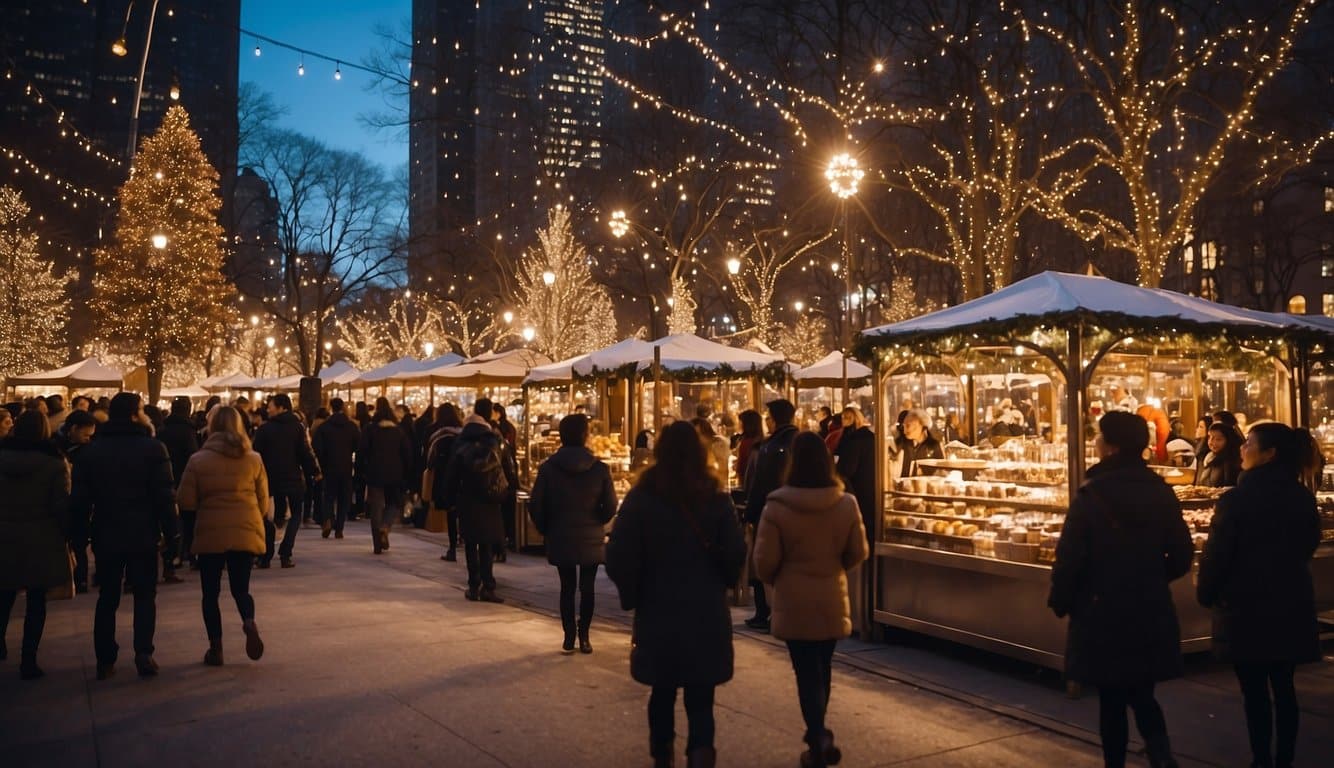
339 373
680 352
233 381
828 371
622 353
560 372
492 368
191 391
89 372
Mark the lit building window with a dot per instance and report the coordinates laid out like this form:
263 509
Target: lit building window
1297 305
1327 266
1329 199
1327 304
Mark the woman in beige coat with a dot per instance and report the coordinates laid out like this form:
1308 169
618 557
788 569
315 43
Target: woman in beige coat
809 535
224 482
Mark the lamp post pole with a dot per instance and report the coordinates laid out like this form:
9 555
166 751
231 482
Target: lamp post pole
139 84
843 176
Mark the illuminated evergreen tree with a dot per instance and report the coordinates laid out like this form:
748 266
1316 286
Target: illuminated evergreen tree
806 341
33 304
159 289
557 297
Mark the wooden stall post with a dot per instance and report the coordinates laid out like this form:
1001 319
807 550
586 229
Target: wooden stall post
1074 406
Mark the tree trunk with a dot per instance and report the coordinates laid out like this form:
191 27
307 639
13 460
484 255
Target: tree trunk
153 365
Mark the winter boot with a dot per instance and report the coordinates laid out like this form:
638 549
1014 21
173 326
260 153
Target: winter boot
254 646
702 757
662 754
213 656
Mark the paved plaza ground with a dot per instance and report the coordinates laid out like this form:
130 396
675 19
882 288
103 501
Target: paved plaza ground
379 661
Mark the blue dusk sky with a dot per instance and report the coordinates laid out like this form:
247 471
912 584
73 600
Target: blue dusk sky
317 104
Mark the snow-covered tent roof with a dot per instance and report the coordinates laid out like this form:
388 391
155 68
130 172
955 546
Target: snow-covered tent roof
1058 297
562 371
493 368
828 371
89 372
618 355
389 371
678 353
191 391
338 373
234 381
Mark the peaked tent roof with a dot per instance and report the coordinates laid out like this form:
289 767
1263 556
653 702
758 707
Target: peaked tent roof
89 372
498 368
622 353
681 352
234 381
562 371
340 372
828 371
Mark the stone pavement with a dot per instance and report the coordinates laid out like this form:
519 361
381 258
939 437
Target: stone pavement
380 661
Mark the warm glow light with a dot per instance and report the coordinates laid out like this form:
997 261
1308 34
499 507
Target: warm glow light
269 341
529 334
159 241
549 277
175 92
328 345
843 175
508 317
734 265
254 321
119 48
800 305
619 224
429 348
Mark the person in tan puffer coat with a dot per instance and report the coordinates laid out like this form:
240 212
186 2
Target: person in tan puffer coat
227 487
810 534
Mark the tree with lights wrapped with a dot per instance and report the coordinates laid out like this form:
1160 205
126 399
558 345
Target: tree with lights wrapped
681 306
557 296
34 305
754 271
159 290
806 341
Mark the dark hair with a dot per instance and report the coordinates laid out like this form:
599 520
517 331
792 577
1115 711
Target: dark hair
383 411
826 410
751 424
703 427
448 415
363 411
1233 439
782 410
809 464
31 427
321 413
680 472
282 400
1291 450
497 408
337 405
123 406
1227 417
482 408
212 401
79 419
1128 432
180 406
574 429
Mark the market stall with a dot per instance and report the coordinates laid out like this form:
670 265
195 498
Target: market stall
88 373
821 383
964 543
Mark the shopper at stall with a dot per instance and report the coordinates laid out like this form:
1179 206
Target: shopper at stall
226 488
833 435
335 443
385 458
122 483
33 519
1220 467
673 552
478 480
765 477
715 447
509 444
288 460
827 420
810 535
916 444
1255 574
1123 543
855 462
75 435
448 426
572 501
752 432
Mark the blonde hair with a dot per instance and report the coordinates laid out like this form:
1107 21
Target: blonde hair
227 420
858 421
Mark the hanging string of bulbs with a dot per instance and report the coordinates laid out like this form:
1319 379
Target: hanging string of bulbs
304 53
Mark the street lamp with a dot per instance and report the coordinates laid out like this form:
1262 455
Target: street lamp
619 224
159 240
843 175
429 348
120 49
734 265
508 317
549 278
529 334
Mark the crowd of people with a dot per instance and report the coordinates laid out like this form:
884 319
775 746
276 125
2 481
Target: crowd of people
209 490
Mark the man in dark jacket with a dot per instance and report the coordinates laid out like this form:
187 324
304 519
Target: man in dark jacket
473 484
335 442
855 461
1123 543
440 449
75 435
122 482
385 459
764 478
508 510
288 460
178 434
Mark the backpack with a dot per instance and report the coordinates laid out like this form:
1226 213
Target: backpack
484 464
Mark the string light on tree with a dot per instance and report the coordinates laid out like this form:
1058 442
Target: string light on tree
34 304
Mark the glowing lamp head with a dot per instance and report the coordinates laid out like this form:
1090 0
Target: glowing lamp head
800 305
843 175
619 224
328 345
159 241
269 341
549 277
429 349
529 334
254 320
175 91
734 265
508 317
119 48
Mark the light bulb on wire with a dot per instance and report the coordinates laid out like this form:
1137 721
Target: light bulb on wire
301 68
338 71
257 51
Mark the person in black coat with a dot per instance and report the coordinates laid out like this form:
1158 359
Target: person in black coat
572 501
1255 574
1123 543
289 461
915 443
764 477
178 434
673 552
855 461
1221 465
385 458
122 482
477 456
334 443
448 425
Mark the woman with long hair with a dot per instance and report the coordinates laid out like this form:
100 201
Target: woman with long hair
225 484
439 448
673 552
384 460
1220 467
810 534
33 519
752 432
1255 574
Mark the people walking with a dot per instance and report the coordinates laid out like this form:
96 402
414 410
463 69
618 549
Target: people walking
508 509
75 435
178 434
384 458
1255 574
478 480
572 501
752 433
34 511
438 452
674 551
289 461
122 483
855 462
764 478
226 488
810 535
1123 543
335 443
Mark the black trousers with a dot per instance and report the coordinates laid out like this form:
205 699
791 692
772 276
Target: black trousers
1263 713
141 571
588 575
1115 728
662 718
812 661
188 517
452 522
337 500
34 618
286 512
238 579
479 557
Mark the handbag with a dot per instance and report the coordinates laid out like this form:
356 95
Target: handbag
64 591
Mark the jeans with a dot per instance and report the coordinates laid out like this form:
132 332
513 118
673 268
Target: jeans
812 661
662 718
337 500
1257 680
286 511
34 618
210 582
588 575
1115 729
385 505
112 569
479 565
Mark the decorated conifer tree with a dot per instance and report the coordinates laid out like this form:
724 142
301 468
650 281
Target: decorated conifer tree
159 290
33 303
557 296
